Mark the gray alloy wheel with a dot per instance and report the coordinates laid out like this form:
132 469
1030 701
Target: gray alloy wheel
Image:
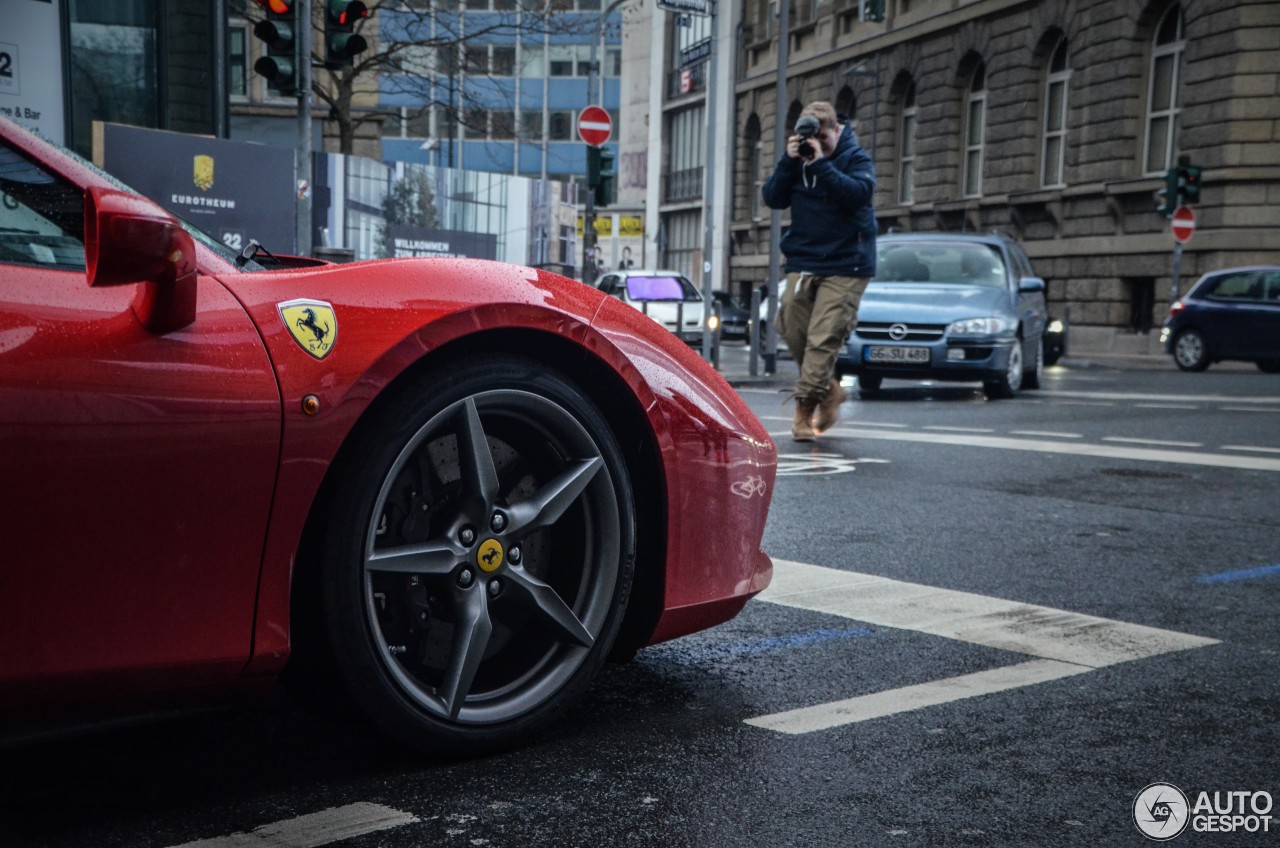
1190 351
1011 380
483 582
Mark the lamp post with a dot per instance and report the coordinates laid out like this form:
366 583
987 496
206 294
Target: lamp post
595 88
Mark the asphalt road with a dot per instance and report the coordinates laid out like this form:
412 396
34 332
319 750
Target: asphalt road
992 623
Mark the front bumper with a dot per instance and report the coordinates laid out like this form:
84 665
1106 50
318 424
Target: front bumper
947 359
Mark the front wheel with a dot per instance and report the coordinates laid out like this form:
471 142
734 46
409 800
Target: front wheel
1191 351
479 557
1009 382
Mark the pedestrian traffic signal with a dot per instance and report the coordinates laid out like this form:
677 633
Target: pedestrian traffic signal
601 176
1188 185
1168 196
277 32
341 44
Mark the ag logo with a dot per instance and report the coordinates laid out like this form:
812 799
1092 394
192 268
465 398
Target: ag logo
312 324
1161 812
489 556
203 173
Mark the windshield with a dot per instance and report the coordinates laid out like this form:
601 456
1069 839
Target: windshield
939 262
661 287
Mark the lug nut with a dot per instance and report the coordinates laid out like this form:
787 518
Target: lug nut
498 522
465 578
514 555
495 587
467 536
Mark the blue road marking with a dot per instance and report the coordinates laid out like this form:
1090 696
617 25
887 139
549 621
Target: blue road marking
773 643
1242 574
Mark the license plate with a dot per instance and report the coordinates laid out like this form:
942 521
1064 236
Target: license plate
885 353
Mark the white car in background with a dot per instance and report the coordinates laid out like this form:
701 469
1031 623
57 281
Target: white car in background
665 296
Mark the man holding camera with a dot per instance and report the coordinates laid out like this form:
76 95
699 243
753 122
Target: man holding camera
829 183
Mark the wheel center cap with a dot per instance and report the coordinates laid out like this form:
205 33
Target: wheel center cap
489 555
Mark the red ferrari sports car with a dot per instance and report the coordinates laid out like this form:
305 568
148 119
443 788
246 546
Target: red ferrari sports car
453 486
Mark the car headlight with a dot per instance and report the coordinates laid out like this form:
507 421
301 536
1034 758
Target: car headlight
980 327
714 322
1055 326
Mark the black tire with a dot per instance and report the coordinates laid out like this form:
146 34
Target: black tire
1191 351
1031 378
1010 382
477 563
1269 366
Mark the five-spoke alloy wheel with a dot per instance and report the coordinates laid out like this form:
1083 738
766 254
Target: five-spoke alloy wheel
481 555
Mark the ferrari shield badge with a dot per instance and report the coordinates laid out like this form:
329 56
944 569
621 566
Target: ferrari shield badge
312 323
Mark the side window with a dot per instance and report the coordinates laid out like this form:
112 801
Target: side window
41 216
609 285
1021 264
1271 286
1242 286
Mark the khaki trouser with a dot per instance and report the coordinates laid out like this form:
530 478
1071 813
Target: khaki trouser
818 313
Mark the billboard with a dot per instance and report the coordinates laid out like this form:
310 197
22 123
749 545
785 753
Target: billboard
232 190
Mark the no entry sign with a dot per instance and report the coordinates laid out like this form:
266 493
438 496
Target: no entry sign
594 125
1183 224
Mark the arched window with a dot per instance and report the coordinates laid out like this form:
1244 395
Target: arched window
1054 148
907 147
974 125
1164 98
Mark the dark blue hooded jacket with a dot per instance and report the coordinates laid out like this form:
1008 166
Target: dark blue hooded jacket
833 220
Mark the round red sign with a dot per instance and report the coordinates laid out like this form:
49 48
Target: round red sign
594 125
1183 224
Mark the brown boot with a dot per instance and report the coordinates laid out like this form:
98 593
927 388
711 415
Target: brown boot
829 407
801 429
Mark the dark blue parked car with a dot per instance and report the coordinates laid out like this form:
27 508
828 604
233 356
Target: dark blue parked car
1229 314
946 306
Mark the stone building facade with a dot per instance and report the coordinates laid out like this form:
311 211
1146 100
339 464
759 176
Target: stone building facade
1052 120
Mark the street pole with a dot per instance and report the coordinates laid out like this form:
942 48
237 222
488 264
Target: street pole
708 191
1177 271
302 160
775 216
595 87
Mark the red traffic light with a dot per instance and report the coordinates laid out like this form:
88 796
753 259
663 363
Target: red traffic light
347 13
279 7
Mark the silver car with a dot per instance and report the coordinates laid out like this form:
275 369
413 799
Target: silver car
665 296
947 306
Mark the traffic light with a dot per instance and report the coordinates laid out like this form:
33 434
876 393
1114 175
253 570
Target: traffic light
341 44
606 178
277 31
1188 185
1168 195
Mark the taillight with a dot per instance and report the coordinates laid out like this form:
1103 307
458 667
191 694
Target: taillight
1176 307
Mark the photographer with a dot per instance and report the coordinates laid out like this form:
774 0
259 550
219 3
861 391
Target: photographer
829 183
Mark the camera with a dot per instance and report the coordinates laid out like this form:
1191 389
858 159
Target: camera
807 127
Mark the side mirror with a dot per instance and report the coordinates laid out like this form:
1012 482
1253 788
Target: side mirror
131 241
1031 284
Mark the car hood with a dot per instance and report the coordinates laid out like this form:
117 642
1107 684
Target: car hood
931 303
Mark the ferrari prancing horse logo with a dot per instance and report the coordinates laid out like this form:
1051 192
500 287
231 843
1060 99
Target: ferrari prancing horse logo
312 323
